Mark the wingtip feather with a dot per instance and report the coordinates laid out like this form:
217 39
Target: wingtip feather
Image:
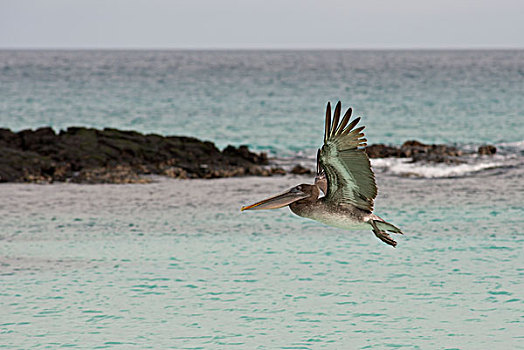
351 125
336 118
358 130
344 121
328 122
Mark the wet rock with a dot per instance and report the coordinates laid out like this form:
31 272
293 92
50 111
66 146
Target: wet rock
245 153
8 138
88 155
120 174
115 156
278 171
487 150
418 151
300 170
19 165
382 151
175 172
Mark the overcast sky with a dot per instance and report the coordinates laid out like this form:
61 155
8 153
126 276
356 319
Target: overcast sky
261 24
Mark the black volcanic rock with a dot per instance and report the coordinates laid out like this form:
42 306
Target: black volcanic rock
300 170
90 155
487 150
382 151
7 137
418 151
245 153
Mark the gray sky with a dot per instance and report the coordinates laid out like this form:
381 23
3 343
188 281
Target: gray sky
261 24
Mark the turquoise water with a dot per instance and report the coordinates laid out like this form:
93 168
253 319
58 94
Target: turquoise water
270 100
175 264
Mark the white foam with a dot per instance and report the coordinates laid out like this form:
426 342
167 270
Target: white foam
404 167
473 163
518 145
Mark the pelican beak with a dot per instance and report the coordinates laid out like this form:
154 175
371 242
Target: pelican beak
278 201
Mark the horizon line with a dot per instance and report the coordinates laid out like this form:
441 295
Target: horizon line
268 48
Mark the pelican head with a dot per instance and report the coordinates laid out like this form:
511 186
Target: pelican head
295 194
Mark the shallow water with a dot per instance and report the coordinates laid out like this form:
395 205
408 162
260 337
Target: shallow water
175 264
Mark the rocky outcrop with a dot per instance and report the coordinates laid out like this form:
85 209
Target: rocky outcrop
114 156
383 151
487 150
300 170
419 151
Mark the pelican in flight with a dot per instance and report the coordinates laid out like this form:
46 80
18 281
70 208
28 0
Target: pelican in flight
345 177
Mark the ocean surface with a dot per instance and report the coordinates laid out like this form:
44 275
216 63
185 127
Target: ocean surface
175 264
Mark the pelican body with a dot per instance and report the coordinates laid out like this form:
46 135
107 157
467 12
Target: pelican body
345 177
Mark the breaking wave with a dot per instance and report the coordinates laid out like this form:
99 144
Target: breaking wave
508 155
405 167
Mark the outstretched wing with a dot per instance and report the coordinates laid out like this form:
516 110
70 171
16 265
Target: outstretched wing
320 179
350 179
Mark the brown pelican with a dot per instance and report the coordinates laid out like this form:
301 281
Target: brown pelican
344 175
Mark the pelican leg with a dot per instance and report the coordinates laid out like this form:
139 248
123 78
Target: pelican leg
382 235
